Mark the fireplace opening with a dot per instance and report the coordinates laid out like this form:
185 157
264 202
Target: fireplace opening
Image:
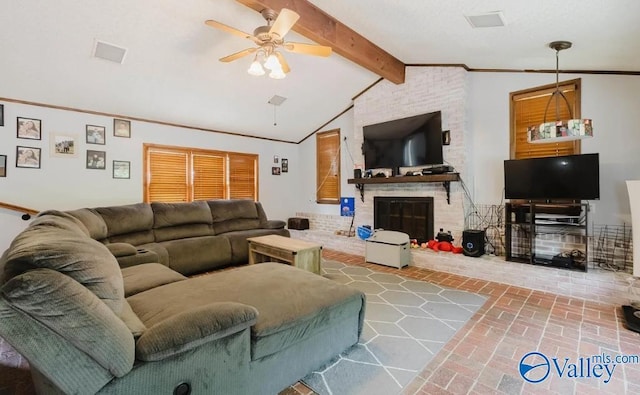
411 215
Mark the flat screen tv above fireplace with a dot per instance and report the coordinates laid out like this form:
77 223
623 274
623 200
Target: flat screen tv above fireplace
408 142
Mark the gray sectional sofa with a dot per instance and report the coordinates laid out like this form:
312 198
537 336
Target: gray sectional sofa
187 237
97 300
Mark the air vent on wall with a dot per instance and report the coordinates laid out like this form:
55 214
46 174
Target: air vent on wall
490 19
109 52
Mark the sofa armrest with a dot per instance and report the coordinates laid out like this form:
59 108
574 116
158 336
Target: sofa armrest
193 328
121 249
274 224
141 256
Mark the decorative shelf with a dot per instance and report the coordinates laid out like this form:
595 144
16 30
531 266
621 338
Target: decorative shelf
444 178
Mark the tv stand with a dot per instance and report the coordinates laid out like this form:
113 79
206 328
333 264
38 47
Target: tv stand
444 178
534 219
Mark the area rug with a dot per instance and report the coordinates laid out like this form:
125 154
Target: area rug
406 323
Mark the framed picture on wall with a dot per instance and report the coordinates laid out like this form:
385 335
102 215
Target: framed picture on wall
285 165
29 128
1 114
275 170
28 157
63 145
121 128
96 159
121 169
96 134
3 165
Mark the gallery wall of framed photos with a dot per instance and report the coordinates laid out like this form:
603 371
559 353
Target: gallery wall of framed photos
78 159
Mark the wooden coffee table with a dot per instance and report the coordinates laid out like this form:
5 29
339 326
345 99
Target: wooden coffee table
273 248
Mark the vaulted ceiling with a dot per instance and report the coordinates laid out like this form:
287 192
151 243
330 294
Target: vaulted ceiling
171 71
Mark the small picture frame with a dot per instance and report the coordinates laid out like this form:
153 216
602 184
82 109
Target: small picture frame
285 165
446 137
1 114
28 157
121 128
63 145
29 128
275 159
96 134
96 159
121 169
275 170
3 165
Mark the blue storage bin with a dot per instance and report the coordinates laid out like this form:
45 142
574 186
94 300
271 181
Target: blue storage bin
364 233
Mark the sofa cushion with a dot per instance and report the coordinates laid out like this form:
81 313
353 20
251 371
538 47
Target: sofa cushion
142 277
85 260
174 214
92 221
60 220
198 254
73 312
130 223
292 304
181 220
131 320
224 210
192 328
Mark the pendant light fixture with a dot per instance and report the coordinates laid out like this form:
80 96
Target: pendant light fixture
559 130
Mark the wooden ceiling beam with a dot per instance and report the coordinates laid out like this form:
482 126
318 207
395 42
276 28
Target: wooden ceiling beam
322 28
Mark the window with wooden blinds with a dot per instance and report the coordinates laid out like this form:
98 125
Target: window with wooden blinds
208 176
175 174
528 109
167 178
328 167
243 178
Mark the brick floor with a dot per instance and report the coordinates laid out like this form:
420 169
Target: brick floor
483 357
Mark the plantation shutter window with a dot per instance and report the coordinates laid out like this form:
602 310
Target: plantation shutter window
176 174
528 109
328 167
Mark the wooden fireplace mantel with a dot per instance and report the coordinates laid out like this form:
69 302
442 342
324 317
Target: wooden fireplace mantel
444 178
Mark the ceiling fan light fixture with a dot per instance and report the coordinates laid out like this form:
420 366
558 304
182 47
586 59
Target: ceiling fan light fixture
272 63
256 68
277 74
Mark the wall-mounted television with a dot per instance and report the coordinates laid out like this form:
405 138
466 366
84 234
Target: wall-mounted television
557 178
408 142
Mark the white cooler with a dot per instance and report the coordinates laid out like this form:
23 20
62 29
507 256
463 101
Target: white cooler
388 248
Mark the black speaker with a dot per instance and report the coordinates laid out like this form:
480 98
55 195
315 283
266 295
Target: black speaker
473 243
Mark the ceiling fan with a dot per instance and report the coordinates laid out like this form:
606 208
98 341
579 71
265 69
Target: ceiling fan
269 39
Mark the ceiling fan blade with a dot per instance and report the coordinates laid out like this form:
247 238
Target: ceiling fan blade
238 55
308 49
284 22
228 29
283 62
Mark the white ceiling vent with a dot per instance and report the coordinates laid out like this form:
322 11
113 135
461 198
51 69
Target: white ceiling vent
277 100
490 19
109 52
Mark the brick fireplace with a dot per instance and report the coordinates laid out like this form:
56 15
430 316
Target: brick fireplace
426 89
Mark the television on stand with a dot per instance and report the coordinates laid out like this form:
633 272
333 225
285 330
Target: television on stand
413 142
553 179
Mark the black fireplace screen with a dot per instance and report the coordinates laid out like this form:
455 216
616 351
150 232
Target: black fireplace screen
411 215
